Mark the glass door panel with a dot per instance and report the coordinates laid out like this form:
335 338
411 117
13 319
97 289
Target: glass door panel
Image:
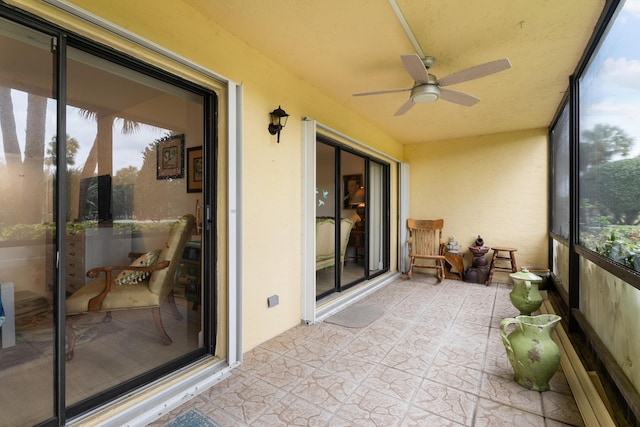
134 149
27 230
376 224
341 195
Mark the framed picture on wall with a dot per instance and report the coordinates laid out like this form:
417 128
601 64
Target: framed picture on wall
170 157
351 184
194 169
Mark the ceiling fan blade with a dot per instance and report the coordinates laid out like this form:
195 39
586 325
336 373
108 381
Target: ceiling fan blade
405 107
381 92
416 68
475 72
458 97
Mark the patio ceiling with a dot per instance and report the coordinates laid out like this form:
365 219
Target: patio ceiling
343 47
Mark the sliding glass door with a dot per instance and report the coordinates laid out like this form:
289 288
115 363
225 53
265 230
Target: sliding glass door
352 237
105 170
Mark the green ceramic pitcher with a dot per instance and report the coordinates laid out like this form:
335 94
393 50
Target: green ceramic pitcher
534 356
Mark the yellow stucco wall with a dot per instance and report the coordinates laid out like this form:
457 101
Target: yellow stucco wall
494 186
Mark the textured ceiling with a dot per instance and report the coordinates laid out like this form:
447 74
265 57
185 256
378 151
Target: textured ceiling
343 47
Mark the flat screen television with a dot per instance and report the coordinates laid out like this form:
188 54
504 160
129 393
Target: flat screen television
94 203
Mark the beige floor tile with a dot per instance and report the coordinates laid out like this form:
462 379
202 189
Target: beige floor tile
325 389
559 384
394 382
437 398
287 340
456 376
554 423
421 340
349 367
367 407
411 308
334 336
381 334
428 329
256 358
497 363
457 353
561 407
417 417
237 380
363 347
247 401
507 392
435 358
409 361
283 372
494 414
312 353
293 411
224 419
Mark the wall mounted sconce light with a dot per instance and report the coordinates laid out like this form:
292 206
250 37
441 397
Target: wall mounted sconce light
278 121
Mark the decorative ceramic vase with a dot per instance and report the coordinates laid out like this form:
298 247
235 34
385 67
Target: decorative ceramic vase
543 272
525 295
534 356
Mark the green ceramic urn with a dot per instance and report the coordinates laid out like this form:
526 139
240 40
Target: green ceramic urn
525 295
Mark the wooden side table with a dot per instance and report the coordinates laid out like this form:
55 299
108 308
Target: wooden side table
455 260
356 241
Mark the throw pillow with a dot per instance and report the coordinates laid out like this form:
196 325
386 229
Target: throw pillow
129 277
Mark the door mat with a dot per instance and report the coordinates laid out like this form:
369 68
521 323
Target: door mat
192 418
356 316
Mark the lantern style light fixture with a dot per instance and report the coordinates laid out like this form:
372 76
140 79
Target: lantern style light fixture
278 121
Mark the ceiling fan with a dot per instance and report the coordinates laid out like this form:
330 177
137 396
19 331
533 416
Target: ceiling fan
427 88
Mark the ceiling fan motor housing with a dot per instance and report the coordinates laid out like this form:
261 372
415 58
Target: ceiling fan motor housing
425 93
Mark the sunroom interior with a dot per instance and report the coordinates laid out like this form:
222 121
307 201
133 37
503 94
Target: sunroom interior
505 169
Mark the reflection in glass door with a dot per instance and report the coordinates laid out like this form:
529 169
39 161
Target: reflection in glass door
325 219
353 218
27 230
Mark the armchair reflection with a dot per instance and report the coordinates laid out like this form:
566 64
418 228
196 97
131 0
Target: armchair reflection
104 295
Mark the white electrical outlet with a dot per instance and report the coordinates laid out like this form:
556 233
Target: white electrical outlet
273 300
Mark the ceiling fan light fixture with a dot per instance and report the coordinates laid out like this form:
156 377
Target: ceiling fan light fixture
424 94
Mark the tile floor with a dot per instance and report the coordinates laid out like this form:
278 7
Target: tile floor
435 358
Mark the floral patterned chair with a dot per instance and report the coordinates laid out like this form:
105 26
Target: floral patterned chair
146 283
325 241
